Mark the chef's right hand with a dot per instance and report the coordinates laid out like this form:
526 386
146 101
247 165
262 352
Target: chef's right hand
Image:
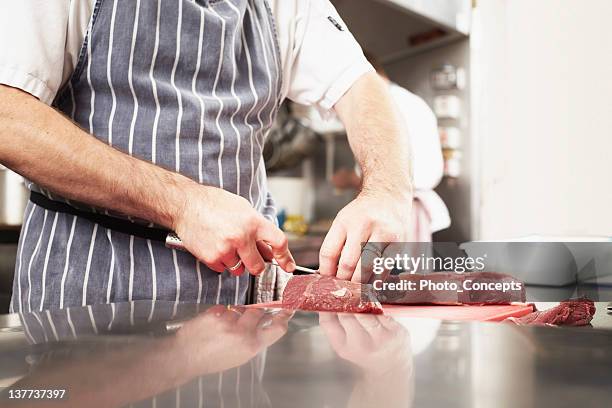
222 229
225 337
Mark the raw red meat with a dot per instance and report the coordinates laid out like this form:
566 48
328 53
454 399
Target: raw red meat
327 294
572 312
454 296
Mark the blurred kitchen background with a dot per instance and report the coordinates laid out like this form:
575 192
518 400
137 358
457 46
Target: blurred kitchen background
522 92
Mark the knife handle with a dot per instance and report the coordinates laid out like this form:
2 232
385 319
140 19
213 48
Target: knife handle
174 242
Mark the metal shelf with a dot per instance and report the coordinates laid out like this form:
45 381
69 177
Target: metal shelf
452 15
390 29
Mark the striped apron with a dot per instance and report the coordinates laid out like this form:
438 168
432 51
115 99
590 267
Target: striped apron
241 386
190 85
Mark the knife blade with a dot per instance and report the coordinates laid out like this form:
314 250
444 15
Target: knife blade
297 267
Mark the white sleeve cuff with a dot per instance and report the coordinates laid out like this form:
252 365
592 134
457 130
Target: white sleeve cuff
28 83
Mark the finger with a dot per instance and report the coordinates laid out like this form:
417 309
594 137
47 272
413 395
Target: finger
281 316
369 322
224 313
232 314
215 266
391 251
391 327
379 334
388 322
363 272
332 328
230 261
330 250
351 253
252 259
208 261
216 310
365 268
265 250
285 315
240 309
277 328
359 275
276 320
250 319
277 240
355 331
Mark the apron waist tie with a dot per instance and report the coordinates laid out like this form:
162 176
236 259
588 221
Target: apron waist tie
106 221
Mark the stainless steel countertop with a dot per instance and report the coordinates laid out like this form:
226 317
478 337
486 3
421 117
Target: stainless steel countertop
231 358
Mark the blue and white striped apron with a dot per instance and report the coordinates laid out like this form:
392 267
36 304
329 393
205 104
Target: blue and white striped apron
191 85
241 386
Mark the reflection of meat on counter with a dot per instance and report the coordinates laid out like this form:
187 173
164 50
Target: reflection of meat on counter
572 312
327 294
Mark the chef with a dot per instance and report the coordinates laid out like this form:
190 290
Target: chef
130 119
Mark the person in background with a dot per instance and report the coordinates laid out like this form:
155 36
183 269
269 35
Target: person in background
429 213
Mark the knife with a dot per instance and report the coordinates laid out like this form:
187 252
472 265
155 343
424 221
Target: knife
174 242
298 268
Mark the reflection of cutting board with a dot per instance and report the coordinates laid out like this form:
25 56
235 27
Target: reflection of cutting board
489 313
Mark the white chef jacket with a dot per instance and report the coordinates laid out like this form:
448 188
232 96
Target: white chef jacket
40 41
427 161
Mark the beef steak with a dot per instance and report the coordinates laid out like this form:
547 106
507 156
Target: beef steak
572 312
328 294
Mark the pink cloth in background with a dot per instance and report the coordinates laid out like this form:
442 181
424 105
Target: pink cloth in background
420 230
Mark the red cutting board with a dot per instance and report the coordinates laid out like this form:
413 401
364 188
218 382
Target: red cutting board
487 313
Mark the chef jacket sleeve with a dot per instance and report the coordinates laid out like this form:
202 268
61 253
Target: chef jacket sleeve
328 59
32 45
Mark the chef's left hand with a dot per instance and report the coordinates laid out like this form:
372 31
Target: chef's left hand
374 216
375 343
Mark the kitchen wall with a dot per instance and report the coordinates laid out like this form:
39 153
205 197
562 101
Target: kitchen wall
543 103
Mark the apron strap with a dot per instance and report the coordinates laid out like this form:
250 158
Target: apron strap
108 222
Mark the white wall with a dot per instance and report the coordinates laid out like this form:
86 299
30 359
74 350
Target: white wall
543 117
